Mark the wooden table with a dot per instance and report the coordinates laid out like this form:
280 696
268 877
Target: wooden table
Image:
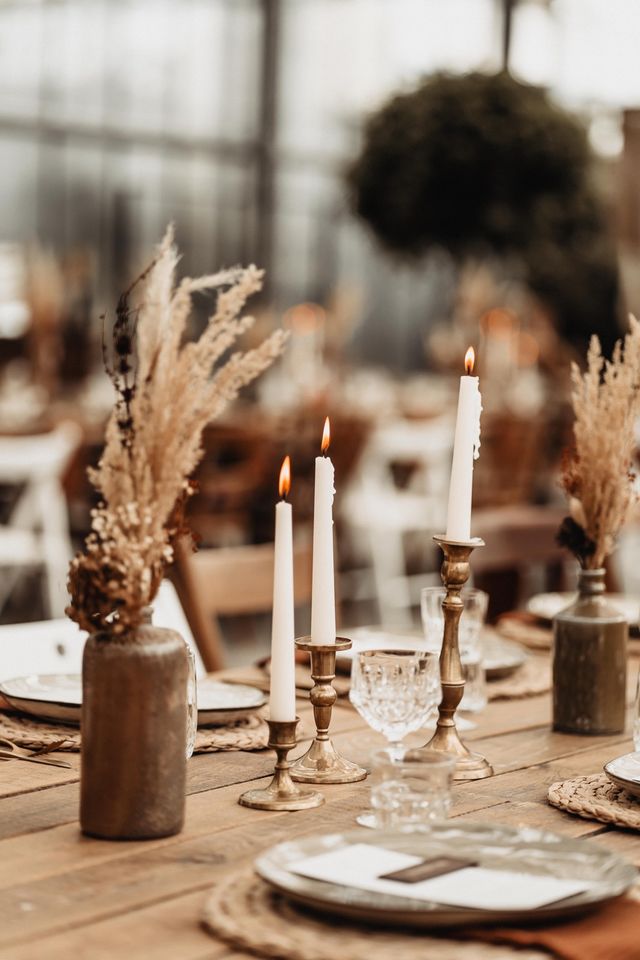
65 896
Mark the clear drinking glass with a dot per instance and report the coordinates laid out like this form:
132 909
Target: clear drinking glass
636 717
192 702
411 789
395 691
469 638
192 688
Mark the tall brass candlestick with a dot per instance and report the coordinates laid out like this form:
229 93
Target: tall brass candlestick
322 763
455 573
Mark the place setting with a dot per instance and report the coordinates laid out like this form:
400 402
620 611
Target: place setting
612 796
45 712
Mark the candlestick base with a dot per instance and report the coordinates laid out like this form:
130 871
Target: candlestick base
282 793
446 739
322 763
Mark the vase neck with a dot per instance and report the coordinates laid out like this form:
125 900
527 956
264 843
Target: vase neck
591 582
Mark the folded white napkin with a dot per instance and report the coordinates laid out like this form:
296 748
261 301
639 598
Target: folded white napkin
362 864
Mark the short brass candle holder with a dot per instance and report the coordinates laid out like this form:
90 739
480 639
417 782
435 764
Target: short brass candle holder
322 763
282 793
455 573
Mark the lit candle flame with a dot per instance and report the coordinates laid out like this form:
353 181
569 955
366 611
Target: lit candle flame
469 360
326 436
284 484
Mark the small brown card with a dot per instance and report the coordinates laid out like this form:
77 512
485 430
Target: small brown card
437 867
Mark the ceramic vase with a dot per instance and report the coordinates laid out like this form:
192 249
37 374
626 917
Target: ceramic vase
590 662
134 735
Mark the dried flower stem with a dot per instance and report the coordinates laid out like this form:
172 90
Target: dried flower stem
166 394
597 472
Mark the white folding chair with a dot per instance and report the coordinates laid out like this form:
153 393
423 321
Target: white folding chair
37 533
380 514
55 646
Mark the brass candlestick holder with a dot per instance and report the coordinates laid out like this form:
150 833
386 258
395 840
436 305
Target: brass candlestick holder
455 573
282 793
321 763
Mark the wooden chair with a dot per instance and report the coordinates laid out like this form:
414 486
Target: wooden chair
517 539
231 581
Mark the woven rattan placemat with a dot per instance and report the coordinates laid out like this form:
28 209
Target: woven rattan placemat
244 912
596 798
529 680
249 734
538 636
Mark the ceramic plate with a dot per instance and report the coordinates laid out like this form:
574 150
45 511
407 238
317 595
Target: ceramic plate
625 772
59 697
220 703
49 696
546 605
501 657
524 849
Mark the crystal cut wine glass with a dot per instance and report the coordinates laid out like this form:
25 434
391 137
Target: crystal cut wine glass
396 692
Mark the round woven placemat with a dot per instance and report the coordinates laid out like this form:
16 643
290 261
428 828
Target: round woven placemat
531 635
251 733
531 679
244 912
596 798
537 636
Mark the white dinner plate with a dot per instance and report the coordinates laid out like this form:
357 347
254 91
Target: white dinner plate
501 657
49 696
524 850
547 605
625 772
58 696
220 703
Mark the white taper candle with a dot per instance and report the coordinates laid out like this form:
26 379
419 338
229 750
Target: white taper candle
465 450
323 599
282 701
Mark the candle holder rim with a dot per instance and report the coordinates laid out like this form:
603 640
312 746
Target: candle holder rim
306 643
474 542
283 723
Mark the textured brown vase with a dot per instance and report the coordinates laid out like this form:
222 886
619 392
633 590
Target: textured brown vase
134 733
590 662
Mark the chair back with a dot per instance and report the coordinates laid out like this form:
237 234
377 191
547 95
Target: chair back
231 581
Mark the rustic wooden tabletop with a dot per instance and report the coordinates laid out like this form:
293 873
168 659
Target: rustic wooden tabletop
63 895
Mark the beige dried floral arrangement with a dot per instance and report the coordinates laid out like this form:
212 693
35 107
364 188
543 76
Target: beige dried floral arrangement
597 473
167 391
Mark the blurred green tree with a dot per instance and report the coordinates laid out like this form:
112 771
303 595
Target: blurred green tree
482 165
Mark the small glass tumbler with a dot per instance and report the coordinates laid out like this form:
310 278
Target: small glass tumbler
411 789
469 638
192 689
192 702
636 717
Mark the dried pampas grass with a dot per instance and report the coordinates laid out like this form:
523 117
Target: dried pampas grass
167 391
597 473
